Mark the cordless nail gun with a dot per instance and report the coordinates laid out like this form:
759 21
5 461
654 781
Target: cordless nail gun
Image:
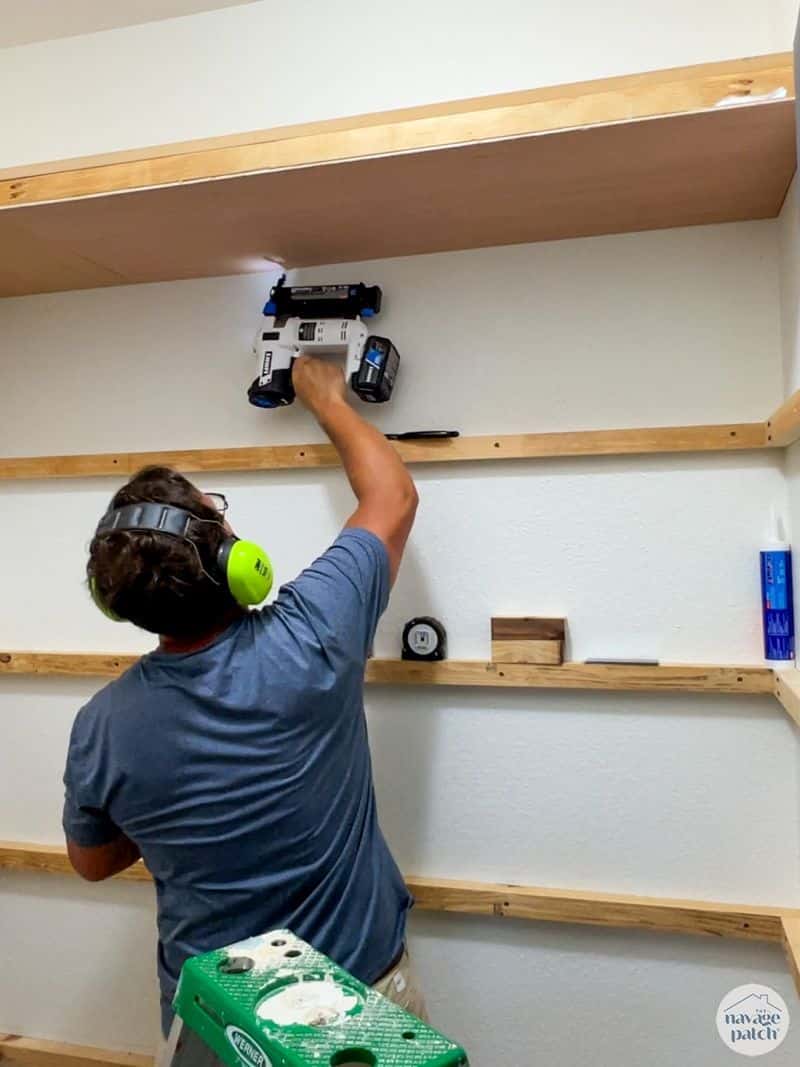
322 320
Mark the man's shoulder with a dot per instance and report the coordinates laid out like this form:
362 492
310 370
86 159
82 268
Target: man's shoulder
99 710
357 557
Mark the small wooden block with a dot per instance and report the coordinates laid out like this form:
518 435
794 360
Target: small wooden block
548 653
528 640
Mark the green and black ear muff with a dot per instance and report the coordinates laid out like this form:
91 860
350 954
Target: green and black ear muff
106 610
247 570
243 566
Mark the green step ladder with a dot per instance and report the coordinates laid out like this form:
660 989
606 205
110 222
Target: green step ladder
274 1001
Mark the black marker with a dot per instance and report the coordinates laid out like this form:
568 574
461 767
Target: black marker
419 435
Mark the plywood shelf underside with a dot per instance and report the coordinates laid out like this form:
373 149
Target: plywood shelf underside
616 155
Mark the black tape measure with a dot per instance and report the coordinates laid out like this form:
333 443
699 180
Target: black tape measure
424 638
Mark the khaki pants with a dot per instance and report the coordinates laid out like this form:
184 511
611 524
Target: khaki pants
399 985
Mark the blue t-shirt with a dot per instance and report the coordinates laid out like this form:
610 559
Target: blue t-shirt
242 771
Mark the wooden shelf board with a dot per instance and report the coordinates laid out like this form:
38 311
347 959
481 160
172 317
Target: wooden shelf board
783 426
36 1052
730 437
787 690
52 859
750 922
70 664
610 156
601 909
678 677
791 946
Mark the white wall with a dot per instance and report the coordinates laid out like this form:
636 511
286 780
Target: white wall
271 64
682 795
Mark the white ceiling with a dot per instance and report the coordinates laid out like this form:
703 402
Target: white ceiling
42 20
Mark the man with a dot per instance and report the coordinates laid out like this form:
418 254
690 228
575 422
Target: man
234 758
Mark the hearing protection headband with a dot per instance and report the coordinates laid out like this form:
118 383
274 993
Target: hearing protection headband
243 566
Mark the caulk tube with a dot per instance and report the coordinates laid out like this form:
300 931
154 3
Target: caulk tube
776 595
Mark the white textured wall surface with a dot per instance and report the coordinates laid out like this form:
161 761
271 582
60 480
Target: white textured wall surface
270 64
78 961
46 20
632 330
789 275
551 995
644 555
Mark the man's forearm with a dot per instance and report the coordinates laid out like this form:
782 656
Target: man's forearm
372 465
387 499
103 861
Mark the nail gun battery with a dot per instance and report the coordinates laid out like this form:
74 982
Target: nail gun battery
375 377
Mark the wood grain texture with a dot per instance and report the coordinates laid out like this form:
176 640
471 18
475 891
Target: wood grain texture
783 426
679 677
661 151
787 690
722 438
656 94
601 909
53 859
752 922
36 1052
531 628
790 937
73 664
543 653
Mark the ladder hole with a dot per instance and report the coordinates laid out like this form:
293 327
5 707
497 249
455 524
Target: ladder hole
353 1057
236 965
208 1010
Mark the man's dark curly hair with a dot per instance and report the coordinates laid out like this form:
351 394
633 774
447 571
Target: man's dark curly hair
162 583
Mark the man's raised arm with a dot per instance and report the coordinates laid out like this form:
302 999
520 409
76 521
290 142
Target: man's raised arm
386 495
